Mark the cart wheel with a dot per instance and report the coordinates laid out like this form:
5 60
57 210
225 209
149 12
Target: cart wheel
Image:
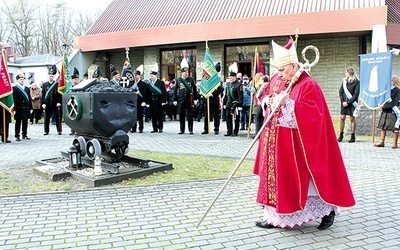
81 142
119 152
93 148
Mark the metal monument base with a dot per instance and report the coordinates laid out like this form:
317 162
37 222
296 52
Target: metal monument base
113 172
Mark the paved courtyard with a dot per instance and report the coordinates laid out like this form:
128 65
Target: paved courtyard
164 216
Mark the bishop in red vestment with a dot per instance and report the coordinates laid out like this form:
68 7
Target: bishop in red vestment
301 169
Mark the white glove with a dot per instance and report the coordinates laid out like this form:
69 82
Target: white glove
31 111
224 106
264 104
195 102
143 104
175 103
239 108
14 112
58 104
163 104
44 106
280 99
147 105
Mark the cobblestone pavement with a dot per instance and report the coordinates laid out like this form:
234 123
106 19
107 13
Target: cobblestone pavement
164 216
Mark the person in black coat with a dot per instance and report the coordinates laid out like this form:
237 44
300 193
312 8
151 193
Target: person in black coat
233 101
186 97
156 100
51 102
22 108
348 94
389 119
214 100
140 87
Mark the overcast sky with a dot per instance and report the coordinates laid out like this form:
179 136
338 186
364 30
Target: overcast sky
89 5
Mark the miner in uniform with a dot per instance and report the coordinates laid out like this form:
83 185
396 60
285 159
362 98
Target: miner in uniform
186 97
22 107
156 96
140 87
51 102
233 101
116 77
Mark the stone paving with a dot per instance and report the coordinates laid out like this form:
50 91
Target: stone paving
164 216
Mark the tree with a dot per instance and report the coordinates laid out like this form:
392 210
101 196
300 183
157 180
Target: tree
21 30
35 27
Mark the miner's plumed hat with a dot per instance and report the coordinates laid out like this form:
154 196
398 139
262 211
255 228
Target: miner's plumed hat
75 74
233 69
154 69
19 76
139 70
113 70
53 70
286 54
97 73
218 66
184 65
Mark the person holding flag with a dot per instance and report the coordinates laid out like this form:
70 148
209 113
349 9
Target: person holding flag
211 89
186 97
390 116
6 99
22 107
51 101
213 104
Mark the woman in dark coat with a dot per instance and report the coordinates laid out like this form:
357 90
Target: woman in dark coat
387 121
348 94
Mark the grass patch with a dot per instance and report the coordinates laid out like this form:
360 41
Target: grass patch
189 168
22 180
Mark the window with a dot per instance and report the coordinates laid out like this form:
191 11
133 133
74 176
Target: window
171 60
243 55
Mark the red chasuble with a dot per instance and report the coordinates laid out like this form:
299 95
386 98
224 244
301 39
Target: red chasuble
288 156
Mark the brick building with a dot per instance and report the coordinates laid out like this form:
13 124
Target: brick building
166 31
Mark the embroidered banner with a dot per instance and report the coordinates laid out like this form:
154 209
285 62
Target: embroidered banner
375 79
6 97
210 78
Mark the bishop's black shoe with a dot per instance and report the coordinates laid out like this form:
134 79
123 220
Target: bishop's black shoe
327 221
264 224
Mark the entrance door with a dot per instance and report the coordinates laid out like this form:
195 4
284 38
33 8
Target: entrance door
245 68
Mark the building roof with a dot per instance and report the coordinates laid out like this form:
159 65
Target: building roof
138 14
38 60
136 23
393 11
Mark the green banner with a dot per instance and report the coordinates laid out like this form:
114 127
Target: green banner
210 78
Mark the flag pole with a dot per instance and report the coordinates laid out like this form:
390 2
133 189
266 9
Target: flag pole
4 126
208 115
251 93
